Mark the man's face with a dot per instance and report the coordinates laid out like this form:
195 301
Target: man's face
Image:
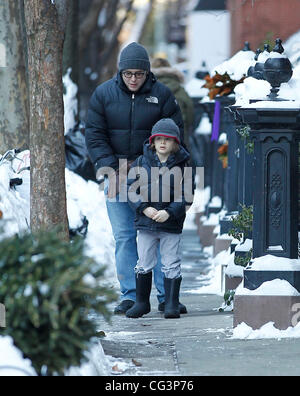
134 79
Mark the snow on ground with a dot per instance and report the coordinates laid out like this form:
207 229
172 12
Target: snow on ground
232 269
83 199
12 362
201 199
70 101
213 280
86 199
98 364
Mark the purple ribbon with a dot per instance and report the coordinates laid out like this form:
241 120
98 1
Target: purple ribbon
216 122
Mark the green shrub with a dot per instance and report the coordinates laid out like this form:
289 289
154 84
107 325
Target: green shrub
244 260
52 294
228 301
242 224
244 132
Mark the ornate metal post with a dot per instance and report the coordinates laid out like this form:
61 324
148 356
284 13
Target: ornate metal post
276 134
275 129
231 185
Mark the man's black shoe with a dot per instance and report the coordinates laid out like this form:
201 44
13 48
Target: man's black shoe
123 307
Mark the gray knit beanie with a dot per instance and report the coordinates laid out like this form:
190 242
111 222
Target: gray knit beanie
165 127
134 56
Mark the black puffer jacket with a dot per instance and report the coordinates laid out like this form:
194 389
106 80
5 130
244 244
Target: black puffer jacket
176 210
119 121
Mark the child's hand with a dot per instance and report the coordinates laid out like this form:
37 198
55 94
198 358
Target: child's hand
161 216
150 212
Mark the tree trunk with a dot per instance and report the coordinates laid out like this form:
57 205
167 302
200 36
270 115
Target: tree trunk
45 25
71 51
14 106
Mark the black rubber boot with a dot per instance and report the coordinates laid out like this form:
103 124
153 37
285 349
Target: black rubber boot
143 291
182 307
172 287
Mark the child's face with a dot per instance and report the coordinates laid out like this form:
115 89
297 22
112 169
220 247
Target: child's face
164 145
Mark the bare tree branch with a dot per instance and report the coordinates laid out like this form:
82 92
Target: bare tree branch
106 54
88 26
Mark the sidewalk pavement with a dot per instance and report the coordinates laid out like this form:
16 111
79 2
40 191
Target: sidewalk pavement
199 343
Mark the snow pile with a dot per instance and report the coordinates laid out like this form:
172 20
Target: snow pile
204 127
291 90
85 199
245 246
195 89
232 269
216 202
212 220
260 89
274 263
276 287
14 204
263 56
213 280
243 332
274 105
201 199
97 365
251 88
237 66
12 362
70 101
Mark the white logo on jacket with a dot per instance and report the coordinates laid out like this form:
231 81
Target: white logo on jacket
152 99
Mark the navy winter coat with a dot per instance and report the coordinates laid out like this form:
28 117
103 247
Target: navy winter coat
176 210
119 121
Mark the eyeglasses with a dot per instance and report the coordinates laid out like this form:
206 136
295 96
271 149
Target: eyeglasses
137 75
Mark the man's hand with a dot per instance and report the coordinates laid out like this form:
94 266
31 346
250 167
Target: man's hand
161 216
150 212
118 180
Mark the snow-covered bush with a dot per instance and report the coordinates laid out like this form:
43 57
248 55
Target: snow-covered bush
51 291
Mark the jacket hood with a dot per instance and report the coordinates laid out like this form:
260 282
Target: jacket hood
151 79
169 72
178 158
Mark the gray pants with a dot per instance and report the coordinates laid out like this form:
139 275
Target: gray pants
148 242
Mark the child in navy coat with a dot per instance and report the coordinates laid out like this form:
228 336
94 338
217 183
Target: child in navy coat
157 192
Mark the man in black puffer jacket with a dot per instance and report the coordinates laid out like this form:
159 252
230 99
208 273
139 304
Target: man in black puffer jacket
121 115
